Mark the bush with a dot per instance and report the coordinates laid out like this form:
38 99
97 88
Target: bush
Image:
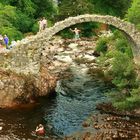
22 22
133 14
12 33
122 71
129 103
66 33
88 29
35 28
101 46
122 44
125 99
124 78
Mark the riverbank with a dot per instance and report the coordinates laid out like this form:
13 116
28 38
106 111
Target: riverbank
109 127
110 124
109 109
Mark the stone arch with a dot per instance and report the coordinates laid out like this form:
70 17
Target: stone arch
31 50
129 29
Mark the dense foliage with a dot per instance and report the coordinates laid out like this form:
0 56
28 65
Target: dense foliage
101 46
133 14
18 17
111 7
120 67
74 7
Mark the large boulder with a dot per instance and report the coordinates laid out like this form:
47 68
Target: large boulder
16 89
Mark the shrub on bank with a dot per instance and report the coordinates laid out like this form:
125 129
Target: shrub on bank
130 102
12 33
120 66
101 46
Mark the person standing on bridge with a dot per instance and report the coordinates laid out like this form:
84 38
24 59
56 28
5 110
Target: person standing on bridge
76 31
6 41
40 25
1 41
44 22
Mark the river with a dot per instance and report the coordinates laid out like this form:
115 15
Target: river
76 98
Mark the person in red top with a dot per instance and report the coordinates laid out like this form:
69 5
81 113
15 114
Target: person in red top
40 130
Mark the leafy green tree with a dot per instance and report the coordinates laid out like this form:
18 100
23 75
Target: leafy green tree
111 7
12 33
20 16
23 22
130 102
124 78
101 46
133 14
74 7
46 8
121 43
123 72
26 6
6 19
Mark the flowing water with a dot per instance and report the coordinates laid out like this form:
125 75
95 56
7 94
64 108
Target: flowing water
62 115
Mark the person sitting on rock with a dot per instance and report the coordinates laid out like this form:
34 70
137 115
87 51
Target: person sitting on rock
40 130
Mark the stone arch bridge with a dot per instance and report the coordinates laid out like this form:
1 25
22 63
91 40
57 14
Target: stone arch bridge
25 57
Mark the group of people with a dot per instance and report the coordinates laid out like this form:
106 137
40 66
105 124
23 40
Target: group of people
42 24
4 41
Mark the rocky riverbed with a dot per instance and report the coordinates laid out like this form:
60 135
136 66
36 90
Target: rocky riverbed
109 127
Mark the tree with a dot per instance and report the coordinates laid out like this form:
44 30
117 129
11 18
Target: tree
45 8
6 19
20 16
133 14
74 7
26 6
111 7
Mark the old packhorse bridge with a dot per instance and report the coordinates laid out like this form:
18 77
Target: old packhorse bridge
25 58
23 77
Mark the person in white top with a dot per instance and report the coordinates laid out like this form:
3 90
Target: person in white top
44 22
40 130
1 40
40 22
